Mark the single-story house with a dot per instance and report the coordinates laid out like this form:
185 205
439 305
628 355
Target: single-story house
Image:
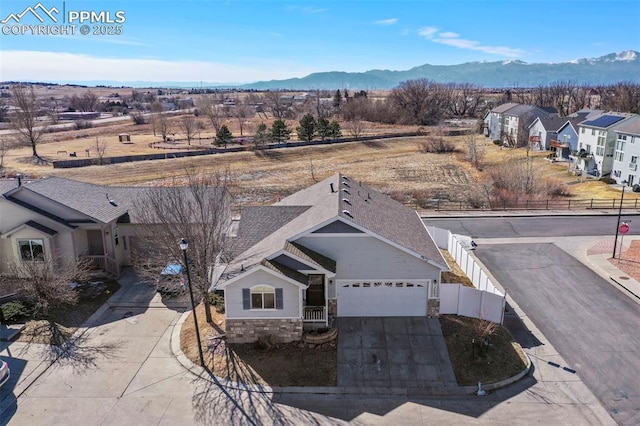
55 215
335 249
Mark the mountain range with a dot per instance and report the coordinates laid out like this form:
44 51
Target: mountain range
608 69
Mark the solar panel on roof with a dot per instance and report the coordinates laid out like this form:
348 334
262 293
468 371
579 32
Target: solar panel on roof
603 121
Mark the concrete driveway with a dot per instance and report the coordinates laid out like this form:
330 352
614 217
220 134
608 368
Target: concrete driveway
393 352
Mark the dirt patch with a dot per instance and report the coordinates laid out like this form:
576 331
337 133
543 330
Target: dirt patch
456 275
265 363
629 260
501 359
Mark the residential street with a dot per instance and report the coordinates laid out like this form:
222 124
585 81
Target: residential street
588 320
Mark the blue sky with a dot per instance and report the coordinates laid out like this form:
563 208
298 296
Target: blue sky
241 41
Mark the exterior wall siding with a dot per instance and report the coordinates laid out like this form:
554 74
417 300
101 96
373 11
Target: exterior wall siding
366 257
291 295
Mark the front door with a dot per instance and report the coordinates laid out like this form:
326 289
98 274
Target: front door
315 292
94 242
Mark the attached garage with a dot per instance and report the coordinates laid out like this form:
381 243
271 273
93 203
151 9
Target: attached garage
388 298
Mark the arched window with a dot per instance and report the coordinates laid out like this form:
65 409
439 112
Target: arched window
263 297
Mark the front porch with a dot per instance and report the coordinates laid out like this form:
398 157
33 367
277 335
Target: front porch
104 262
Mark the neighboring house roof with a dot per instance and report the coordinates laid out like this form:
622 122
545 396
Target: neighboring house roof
604 120
351 202
552 124
32 224
529 110
631 127
91 200
504 107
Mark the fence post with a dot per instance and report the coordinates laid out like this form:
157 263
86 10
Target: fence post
527 205
591 204
569 204
460 205
547 204
504 205
438 205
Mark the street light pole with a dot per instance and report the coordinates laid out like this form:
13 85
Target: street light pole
184 244
615 242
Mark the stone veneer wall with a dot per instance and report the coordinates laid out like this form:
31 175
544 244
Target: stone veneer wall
250 330
433 308
332 308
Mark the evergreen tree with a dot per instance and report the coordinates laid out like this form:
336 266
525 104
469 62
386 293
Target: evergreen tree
223 136
337 100
323 128
307 128
261 138
280 132
334 130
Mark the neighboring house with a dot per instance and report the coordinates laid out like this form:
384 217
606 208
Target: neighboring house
493 121
337 248
66 217
566 140
516 122
596 142
543 130
627 154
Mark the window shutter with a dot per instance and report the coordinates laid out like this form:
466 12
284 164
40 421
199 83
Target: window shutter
279 302
246 298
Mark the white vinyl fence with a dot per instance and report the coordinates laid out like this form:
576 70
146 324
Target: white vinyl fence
484 301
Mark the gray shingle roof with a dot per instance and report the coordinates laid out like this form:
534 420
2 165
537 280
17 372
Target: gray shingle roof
286 271
552 123
85 198
367 208
630 127
504 107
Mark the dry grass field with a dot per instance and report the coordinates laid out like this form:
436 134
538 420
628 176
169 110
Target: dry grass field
391 165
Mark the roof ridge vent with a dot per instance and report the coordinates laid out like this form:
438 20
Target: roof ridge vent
346 191
346 200
345 178
346 184
347 213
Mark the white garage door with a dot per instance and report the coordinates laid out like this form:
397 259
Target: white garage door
382 298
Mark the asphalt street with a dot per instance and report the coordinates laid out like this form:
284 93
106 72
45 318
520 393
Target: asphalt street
536 226
587 320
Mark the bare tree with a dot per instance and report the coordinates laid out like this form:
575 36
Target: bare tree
421 101
4 148
189 126
355 128
211 108
28 129
101 149
275 104
475 151
45 279
85 103
160 121
198 211
243 113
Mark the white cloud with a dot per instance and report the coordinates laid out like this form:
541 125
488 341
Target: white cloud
427 31
23 65
453 39
311 9
386 22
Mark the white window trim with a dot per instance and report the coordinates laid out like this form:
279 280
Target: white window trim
29 240
267 290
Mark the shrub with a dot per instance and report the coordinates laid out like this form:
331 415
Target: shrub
558 189
608 180
15 311
83 124
217 300
138 118
436 145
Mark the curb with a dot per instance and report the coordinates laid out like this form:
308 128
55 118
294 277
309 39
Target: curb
501 214
620 283
334 390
